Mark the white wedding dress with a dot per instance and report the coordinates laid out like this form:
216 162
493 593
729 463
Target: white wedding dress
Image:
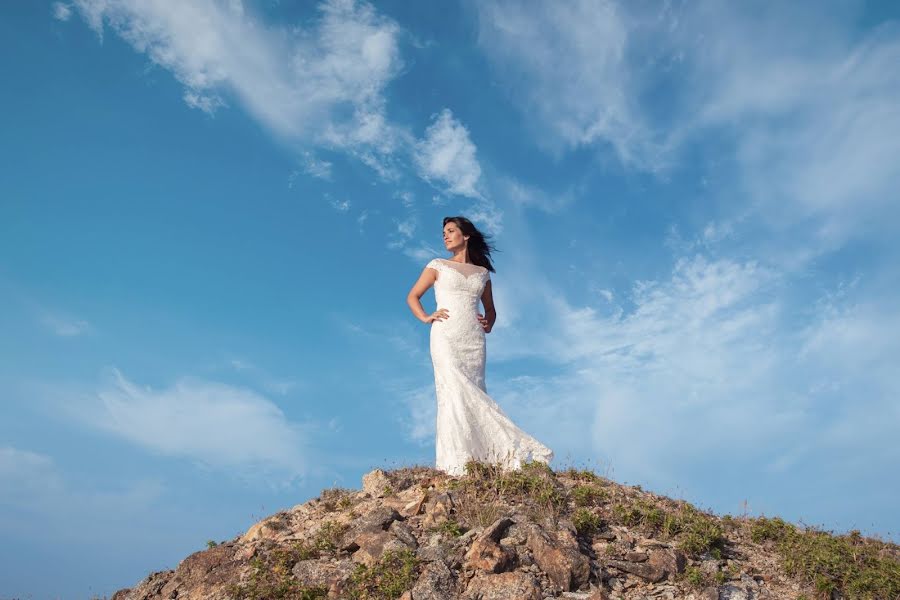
470 425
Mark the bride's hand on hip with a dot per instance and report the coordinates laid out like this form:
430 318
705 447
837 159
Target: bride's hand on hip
440 314
485 324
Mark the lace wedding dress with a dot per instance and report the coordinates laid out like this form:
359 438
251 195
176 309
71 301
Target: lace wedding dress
470 425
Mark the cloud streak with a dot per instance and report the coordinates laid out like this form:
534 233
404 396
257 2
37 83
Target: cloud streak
322 84
214 424
446 155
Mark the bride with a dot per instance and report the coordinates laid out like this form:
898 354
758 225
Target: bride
470 425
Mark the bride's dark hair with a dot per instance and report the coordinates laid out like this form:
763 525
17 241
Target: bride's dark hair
479 247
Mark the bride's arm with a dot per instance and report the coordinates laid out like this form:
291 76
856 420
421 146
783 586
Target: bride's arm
490 314
413 299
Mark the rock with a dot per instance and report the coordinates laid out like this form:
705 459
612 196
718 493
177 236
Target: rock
644 570
486 554
495 530
272 528
735 592
709 566
636 556
151 587
710 593
375 483
372 545
438 510
404 533
325 573
559 557
468 535
672 562
514 585
595 594
435 549
434 583
376 520
415 507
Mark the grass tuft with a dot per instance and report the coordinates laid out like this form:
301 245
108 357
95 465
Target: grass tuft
850 565
586 522
395 573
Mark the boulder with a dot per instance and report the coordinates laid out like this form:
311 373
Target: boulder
645 570
558 555
485 554
375 483
372 546
377 520
438 509
514 585
434 583
330 574
672 562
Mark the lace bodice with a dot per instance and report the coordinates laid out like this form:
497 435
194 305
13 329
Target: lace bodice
458 283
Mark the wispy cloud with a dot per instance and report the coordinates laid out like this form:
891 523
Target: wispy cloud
567 70
64 326
25 474
446 156
62 11
322 83
340 205
803 111
715 354
315 166
812 111
268 382
215 424
31 482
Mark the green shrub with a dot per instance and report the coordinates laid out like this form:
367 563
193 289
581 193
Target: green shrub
395 573
586 522
587 495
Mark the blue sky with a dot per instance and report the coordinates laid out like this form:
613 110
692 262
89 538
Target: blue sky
211 213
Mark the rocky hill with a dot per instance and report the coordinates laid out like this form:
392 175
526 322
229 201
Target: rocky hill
418 534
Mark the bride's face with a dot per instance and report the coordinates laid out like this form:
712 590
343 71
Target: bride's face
453 237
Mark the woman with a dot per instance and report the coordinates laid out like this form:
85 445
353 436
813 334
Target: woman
470 425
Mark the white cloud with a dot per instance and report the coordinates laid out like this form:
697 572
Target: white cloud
33 482
320 84
422 410
812 111
62 11
340 205
487 216
567 70
713 358
361 219
420 253
212 423
267 381
316 167
446 156
521 194
802 108
64 326
25 475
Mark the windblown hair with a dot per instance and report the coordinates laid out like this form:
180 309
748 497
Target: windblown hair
479 247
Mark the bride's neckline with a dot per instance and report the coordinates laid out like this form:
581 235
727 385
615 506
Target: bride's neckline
456 262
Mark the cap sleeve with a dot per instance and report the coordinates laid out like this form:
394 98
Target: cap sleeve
434 264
